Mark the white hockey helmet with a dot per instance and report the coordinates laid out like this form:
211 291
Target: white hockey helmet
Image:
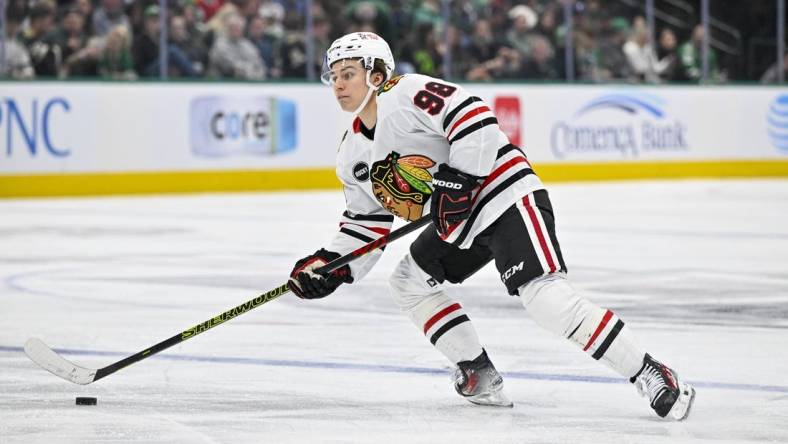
366 46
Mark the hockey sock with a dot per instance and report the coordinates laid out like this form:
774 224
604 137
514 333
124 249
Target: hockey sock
439 318
553 304
447 327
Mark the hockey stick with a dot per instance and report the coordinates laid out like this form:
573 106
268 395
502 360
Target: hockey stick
49 360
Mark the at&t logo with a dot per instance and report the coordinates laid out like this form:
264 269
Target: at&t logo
777 122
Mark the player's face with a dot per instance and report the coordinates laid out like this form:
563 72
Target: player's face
348 78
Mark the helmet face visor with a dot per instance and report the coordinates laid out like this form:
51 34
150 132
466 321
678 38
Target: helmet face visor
325 71
327 76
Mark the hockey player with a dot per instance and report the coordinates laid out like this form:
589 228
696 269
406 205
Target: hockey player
419 141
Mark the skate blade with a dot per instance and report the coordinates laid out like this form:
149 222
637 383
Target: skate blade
494 399
681 408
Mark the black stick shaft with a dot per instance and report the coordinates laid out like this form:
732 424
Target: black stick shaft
258 301
374 245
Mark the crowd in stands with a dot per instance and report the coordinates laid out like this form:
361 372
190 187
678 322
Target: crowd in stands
266 39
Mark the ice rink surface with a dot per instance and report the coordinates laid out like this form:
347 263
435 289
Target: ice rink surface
698 269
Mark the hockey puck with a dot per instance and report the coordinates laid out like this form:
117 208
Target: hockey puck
86 400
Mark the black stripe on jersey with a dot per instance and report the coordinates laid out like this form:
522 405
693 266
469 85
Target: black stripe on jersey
505 150
453 113
358 236
448 326
490 196
473 127
370 217
576 328
608 340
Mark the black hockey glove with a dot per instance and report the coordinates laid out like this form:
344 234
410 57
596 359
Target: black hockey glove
307 284
451 198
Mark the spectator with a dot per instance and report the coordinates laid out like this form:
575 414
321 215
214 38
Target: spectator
588 55
772 75
209 7
44 52
85 7
641 56
233 56
667 54
248 8
116 61
521 34
690 57
611 63
321 33
194 22
217 25
461 61
109 15
293 49
594 19
17 63
274 15
370 14
540 64
145 50
508 64
427 12
482 45
185 49
267 46
70 35
548 26
421 51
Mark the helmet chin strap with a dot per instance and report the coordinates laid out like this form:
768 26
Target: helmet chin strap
371 89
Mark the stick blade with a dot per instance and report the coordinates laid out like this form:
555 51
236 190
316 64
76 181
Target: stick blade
47 359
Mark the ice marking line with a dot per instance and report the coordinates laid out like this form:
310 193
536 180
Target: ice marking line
385 368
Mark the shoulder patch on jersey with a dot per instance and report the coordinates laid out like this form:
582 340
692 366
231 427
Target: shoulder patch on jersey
390 84
400 184
361 171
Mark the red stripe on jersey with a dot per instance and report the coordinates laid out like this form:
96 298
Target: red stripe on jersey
440 315
381 231
468 115
498 171
357 125
540 233
605 320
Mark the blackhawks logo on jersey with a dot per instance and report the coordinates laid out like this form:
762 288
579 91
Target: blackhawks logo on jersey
390 84
401 184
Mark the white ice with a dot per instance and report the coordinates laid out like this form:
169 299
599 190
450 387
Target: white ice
698 269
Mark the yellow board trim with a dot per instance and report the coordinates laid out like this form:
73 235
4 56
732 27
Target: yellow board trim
579 172
97 184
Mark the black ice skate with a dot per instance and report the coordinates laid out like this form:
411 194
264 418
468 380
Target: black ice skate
668 395
480 383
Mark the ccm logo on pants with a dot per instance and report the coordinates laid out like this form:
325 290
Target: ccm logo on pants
510 272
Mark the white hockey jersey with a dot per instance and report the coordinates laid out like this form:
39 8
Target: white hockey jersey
364 220
421 123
